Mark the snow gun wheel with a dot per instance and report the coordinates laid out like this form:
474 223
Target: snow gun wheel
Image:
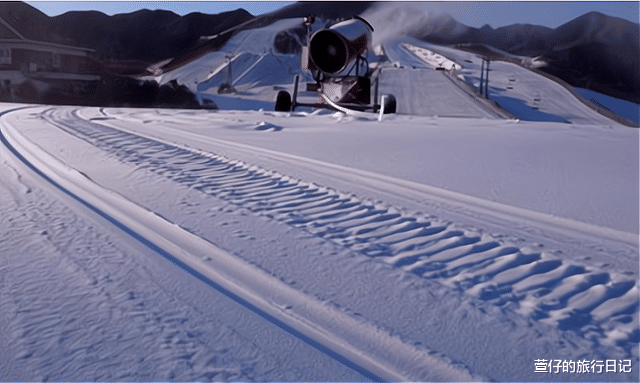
283 101
388 104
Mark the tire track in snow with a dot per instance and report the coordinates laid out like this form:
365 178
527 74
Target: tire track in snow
359 345
78 305
598 305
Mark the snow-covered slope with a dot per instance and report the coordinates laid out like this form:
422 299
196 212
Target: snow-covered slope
444 243
258 73
246 50
623 108
402 248
523 93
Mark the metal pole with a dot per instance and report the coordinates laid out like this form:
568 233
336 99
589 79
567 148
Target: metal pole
294 101
486 87
375 93
482 76
229 58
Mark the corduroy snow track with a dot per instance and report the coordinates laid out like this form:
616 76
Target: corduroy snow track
537 284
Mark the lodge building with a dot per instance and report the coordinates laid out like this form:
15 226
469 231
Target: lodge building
30 70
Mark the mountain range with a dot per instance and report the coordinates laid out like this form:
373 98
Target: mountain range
593 51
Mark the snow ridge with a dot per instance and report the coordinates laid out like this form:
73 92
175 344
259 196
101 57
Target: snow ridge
596 304
342 336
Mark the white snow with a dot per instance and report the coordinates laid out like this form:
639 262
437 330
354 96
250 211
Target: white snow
246 244
433 59
626 109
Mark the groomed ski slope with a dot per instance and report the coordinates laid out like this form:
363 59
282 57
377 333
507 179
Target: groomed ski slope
339 231
519 91
449 242
406 73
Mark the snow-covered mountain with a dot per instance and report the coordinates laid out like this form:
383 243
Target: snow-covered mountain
257 63
462 238
143 36
594 51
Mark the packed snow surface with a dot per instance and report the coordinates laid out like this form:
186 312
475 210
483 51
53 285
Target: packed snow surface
626 109
351 248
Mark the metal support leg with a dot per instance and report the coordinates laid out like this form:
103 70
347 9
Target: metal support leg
376 106
294 98
482 77
486 79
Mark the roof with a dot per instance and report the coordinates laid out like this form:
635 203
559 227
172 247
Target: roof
42 45
7 31
10 35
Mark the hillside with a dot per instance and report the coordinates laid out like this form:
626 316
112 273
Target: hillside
146 36
593 51
182 226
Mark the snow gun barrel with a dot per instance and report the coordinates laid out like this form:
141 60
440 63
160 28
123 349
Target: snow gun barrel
332 49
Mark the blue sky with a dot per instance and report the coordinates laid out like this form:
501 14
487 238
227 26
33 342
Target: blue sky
473 13
547 13
53 8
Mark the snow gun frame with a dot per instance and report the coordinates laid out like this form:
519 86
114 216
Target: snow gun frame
328 54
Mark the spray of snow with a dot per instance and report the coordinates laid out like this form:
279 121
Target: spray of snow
394 19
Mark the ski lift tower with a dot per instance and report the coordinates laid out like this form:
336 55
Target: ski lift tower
484 76
227 87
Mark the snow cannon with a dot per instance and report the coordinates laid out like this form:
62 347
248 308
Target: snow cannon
332 49
332 55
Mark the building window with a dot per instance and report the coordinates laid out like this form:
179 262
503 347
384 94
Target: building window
5 56
57 62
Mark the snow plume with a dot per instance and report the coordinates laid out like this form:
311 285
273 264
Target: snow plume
393 19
